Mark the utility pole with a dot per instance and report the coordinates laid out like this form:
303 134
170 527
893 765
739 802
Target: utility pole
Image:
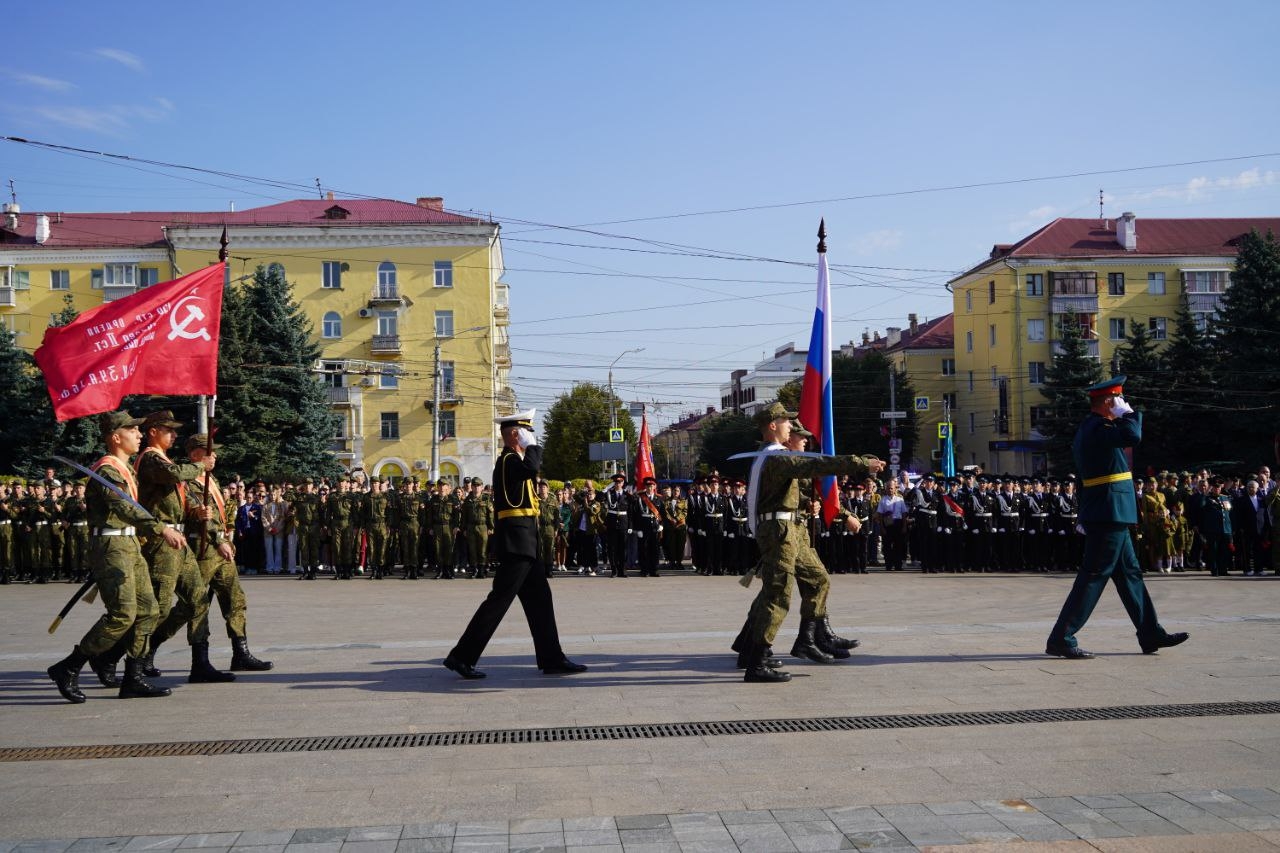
893 422
435 414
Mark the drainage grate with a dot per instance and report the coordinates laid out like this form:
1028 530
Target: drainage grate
648 731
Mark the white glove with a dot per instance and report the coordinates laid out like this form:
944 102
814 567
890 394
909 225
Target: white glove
525 437
1120 407
639 534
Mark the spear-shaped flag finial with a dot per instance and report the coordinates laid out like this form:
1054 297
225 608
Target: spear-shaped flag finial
222 244
822 236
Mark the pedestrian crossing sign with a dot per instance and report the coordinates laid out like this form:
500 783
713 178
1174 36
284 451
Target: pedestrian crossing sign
944 430
922 404
615 434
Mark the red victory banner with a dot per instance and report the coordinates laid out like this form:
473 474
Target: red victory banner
644 453
160 340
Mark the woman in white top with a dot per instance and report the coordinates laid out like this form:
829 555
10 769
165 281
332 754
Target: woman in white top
892 511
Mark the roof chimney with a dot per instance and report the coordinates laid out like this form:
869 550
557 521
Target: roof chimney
913 321
42 228
866 337
1127 231
11 211
432 202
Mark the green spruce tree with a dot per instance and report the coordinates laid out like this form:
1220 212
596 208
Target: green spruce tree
1194 414
1147 390
1245 341
722 436
577 418
1071 371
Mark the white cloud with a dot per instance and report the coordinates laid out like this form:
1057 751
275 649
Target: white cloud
112 121
1203 188
129 60
873 242
49 84
1033 219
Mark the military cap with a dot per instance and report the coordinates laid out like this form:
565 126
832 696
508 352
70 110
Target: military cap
648 480
619 478
927 478
442 482
713 479
518 419
162 418
1107 387
376 480
308 481
476 481
109 422
414 478
798 429
466 481
200 439
775 411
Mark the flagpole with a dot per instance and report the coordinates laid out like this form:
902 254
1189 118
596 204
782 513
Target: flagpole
206 410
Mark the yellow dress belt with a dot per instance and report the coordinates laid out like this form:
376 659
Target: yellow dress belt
517 513
1109 478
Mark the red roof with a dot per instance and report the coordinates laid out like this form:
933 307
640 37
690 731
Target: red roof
938 333
145 229
1089 238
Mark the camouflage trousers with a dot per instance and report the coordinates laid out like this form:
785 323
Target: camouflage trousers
218 575
786 556
181 594
124 585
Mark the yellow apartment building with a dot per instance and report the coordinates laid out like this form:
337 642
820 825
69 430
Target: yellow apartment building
404 298
1101 274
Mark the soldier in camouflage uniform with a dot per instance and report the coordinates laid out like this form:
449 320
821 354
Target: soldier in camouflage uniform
181 593
306 522
408 520
216 558
776 499
36 518
549 524
6 533
477 524
75 516
120 571
443 518
375 506
342 533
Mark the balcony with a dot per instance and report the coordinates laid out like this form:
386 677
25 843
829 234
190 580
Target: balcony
8 297
385 345
502 313
502 354
112 292
1091 348
1084 304
385 295
345 395
1198 303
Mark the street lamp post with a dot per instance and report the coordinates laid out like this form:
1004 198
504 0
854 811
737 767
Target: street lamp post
613 411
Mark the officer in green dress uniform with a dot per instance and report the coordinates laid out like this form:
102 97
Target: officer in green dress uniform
118 567
1108 507
518 574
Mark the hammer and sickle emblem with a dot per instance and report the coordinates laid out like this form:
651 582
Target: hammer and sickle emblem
179 328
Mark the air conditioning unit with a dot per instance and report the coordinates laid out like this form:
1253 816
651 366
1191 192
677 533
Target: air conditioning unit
419 464
368 381
366 313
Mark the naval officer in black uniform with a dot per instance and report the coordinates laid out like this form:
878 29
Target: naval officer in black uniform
515 538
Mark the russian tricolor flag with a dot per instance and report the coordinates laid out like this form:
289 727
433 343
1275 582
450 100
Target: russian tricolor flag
815 390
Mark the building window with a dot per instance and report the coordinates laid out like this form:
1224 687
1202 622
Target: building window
970 381
331 325
390 425
1035 330
387 280
1205 281
448 425
59 279
1075 283
444 273
968 300
388 324
1037 415
120 275
444 324
991 292
968 341
1157 328
331 275
993 334
948 367
949 400
1035 372
148 276
1155 283
973 423
389 378
1035 284
276 270
447 386
1115 284
95 279
1116 328
332 374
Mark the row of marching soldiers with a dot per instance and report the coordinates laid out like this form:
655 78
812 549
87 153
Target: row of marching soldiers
160 551
44 530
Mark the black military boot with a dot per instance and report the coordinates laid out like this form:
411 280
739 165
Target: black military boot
203 672
742 645
828 637
759 672
104 665
66 674
135 685
806 646
243 660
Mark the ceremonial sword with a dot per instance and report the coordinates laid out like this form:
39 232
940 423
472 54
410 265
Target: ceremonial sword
88 586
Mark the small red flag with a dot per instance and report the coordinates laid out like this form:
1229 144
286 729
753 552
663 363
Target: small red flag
644 453
161 340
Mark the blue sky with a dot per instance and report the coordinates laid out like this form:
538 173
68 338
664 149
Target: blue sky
625 118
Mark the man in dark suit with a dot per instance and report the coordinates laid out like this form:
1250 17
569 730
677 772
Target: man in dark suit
1108 506
515 537
1252 525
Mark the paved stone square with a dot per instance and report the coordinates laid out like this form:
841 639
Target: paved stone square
363 658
